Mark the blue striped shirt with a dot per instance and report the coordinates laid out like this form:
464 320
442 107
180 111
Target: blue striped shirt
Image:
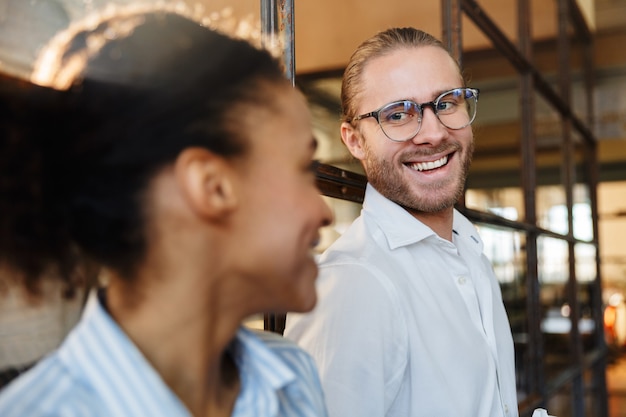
98 371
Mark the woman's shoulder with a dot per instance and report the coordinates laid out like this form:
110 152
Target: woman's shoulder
47 389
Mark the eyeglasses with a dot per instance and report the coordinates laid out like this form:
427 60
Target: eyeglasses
401 120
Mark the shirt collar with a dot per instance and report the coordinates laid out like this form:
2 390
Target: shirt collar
464 230
402 229
99 351
398 225
263 374
254 357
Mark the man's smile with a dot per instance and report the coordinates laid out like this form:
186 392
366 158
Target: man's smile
427 166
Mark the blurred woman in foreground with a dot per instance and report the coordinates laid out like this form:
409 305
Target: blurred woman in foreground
178 159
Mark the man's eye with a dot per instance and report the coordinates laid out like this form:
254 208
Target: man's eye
446 106
398 117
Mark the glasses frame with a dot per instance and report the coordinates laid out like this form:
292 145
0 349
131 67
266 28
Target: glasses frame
420 106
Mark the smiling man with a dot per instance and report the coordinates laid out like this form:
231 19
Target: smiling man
410 320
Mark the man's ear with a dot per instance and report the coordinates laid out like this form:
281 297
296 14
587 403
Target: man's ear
353 140
207 182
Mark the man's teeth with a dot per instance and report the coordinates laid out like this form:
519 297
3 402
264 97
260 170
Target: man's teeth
426 166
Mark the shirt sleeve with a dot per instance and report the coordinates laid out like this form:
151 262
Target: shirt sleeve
358 339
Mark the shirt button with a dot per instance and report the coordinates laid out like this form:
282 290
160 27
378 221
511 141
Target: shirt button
462 280
506 409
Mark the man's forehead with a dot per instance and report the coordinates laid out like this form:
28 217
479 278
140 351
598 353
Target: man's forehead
430 68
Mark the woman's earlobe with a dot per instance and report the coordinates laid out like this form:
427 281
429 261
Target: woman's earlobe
206 180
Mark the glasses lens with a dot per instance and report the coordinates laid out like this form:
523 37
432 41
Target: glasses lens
457 108
400 120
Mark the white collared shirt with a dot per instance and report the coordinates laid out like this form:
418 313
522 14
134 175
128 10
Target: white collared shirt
99 372
409 324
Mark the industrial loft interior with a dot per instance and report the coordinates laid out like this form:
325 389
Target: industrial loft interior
547 186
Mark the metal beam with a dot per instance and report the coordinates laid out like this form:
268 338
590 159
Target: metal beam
500 41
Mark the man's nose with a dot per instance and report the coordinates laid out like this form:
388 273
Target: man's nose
431 129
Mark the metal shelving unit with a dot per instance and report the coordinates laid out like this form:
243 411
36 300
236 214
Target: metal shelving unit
582 382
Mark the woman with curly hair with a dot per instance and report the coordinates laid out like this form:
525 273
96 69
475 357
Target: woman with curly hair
179 160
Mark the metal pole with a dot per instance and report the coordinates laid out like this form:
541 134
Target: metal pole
568 171
287 29
452 36
277 28
599 369
535 378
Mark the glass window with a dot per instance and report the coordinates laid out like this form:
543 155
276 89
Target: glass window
552 209
505 202
553 272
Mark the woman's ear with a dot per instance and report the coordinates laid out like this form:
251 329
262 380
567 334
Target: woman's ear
207 182
353 140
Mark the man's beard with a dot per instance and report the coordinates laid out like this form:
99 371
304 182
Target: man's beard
388 180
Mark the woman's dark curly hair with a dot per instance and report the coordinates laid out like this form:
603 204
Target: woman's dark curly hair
74 164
